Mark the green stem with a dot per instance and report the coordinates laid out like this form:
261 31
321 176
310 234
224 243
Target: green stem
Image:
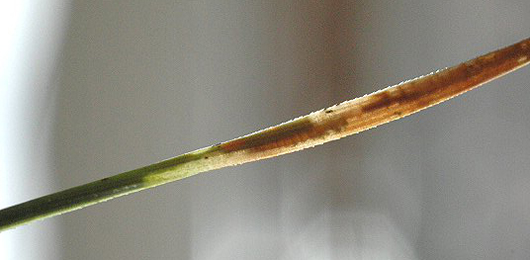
316 128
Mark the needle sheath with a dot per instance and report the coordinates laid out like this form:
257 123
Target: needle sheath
319 127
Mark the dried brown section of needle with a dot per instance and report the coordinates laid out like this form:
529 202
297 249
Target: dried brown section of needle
380 107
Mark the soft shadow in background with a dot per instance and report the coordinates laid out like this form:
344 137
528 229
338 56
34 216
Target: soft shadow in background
143 81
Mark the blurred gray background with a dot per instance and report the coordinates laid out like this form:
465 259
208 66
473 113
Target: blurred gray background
129 83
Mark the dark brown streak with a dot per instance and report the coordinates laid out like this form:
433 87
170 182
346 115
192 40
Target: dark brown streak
420 92
271 137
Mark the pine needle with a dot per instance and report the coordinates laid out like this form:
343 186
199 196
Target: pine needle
319 127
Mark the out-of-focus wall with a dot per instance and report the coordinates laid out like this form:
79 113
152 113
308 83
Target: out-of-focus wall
142 81
31 34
